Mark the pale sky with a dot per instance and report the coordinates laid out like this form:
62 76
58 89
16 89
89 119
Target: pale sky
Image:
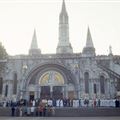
18 18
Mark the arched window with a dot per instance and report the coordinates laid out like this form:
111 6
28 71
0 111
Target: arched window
15 83
95 89
1 85
102 84
86 77
6 90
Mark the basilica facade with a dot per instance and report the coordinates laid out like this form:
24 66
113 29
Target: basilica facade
62 75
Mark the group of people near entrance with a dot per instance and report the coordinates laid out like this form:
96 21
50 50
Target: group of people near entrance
46 107
41 110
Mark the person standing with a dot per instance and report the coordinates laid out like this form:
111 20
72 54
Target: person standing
17 111
32 110
99 103
40 110
13 110
28 111
53 110
44 111
21 111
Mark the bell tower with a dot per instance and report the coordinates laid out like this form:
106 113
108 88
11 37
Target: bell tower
64 46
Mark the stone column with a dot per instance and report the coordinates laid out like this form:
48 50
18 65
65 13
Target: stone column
112 88
91 88
65 91
36 92
27 94
78 88
3 92
51 91
39 92
82 89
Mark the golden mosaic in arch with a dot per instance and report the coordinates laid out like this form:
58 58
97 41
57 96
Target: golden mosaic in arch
51 78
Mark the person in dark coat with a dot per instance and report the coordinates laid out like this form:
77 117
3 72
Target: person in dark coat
44 111
54 102
13 110
99 103
117 103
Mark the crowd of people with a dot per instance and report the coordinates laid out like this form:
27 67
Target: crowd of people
41 110
32 108
44 107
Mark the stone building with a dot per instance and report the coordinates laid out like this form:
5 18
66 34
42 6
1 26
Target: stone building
64 74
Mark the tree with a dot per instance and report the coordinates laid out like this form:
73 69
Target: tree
3 57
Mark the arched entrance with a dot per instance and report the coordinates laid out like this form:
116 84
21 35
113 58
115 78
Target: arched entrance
52 85
48 81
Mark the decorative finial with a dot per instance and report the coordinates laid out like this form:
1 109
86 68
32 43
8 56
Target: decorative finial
110 50
63 6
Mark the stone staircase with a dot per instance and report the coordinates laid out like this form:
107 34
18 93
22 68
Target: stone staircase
75 112
87 112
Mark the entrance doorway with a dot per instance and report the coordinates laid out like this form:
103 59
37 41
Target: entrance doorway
45 92
31 95
57 92
71 94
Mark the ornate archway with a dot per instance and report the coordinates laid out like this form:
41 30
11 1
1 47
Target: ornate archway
49 77
52 84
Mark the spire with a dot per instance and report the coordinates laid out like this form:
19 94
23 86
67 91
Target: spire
63 7
89 49
34 50
63 18
34 44
89 42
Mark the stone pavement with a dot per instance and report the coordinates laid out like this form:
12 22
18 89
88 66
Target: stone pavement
60 118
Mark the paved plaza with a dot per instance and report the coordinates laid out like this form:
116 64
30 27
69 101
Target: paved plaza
59 118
